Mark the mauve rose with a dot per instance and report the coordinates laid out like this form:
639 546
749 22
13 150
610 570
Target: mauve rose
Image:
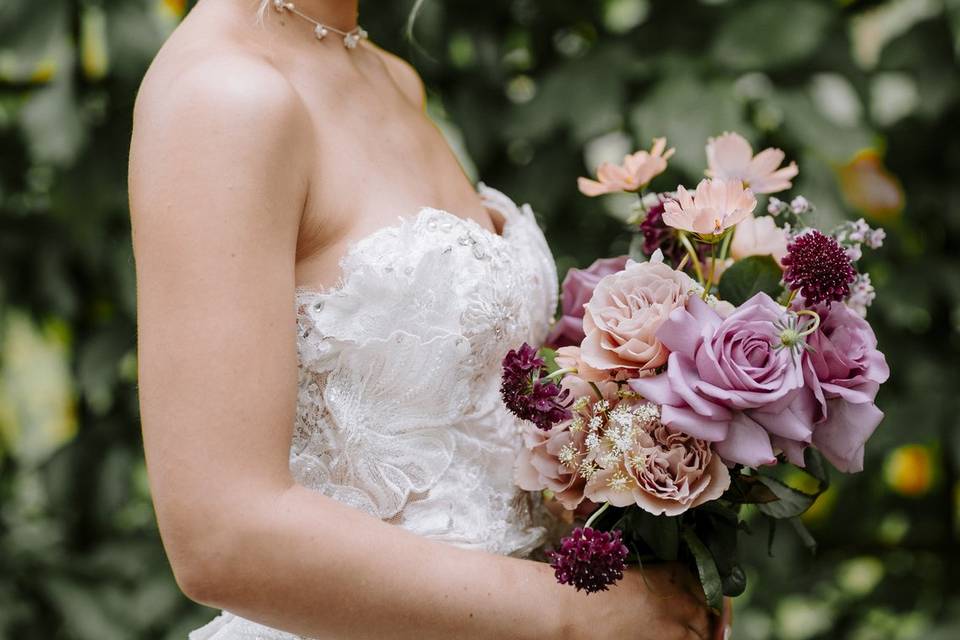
578 286
621 320
728 383
667 473
844 372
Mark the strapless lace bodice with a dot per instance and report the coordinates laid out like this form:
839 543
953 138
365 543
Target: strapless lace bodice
398 411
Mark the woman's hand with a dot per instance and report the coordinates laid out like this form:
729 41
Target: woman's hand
659 602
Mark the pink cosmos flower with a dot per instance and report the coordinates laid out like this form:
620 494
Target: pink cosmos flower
714 207
635 173
621 319
730 157
759 237
728 383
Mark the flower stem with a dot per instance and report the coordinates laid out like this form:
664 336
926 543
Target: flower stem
725 247
559 372
694 258
596 390
596 514
713 270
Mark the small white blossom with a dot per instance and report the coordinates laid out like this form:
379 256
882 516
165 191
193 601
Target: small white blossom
568 455
875 238
587 469
618 481
799 205
595 423
862 294
776 206
592 441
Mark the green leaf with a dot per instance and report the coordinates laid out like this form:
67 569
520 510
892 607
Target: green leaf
790 503
757 36
748 277
706 569
813 465
662 533
550 357
748 490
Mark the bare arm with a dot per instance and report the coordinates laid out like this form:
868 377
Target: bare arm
219 174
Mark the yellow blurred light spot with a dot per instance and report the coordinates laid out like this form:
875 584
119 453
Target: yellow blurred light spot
37 404
867 185
909 470
94 56
43 72
176 8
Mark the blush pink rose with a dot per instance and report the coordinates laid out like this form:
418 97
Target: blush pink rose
623 316
578 286
728 383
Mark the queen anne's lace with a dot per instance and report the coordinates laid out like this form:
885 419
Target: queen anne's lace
398 406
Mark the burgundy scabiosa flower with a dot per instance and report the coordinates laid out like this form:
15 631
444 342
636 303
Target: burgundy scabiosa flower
818 268
590 560
526 395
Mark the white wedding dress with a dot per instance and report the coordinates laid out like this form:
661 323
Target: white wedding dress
399 412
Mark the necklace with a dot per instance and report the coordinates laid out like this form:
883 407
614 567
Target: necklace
350 38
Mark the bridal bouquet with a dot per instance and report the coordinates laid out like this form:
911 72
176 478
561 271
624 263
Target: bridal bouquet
678 387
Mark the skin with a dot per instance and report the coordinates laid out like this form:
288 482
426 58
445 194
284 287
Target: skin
258 156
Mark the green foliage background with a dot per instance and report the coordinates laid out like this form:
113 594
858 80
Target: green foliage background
865 95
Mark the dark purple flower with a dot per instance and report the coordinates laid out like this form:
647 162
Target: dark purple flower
818 268
657 235
542 402
590 560
578 286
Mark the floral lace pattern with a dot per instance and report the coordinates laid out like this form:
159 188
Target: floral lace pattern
398 405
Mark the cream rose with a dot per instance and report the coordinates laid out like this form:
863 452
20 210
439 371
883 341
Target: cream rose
622 317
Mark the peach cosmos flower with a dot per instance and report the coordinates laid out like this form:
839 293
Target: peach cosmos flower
623 315
759 237
714 207
635 173
730 157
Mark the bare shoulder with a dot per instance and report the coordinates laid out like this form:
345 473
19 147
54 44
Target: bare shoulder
405 76
229 90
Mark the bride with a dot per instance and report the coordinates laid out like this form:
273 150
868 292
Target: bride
324 300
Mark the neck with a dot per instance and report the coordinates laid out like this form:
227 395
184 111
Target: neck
340 14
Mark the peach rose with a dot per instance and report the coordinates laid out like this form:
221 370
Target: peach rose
547 459
642 462
759 237
622 317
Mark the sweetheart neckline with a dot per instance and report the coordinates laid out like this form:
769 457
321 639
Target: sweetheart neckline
509 218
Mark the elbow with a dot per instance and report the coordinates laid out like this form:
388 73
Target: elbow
206 558
201 569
